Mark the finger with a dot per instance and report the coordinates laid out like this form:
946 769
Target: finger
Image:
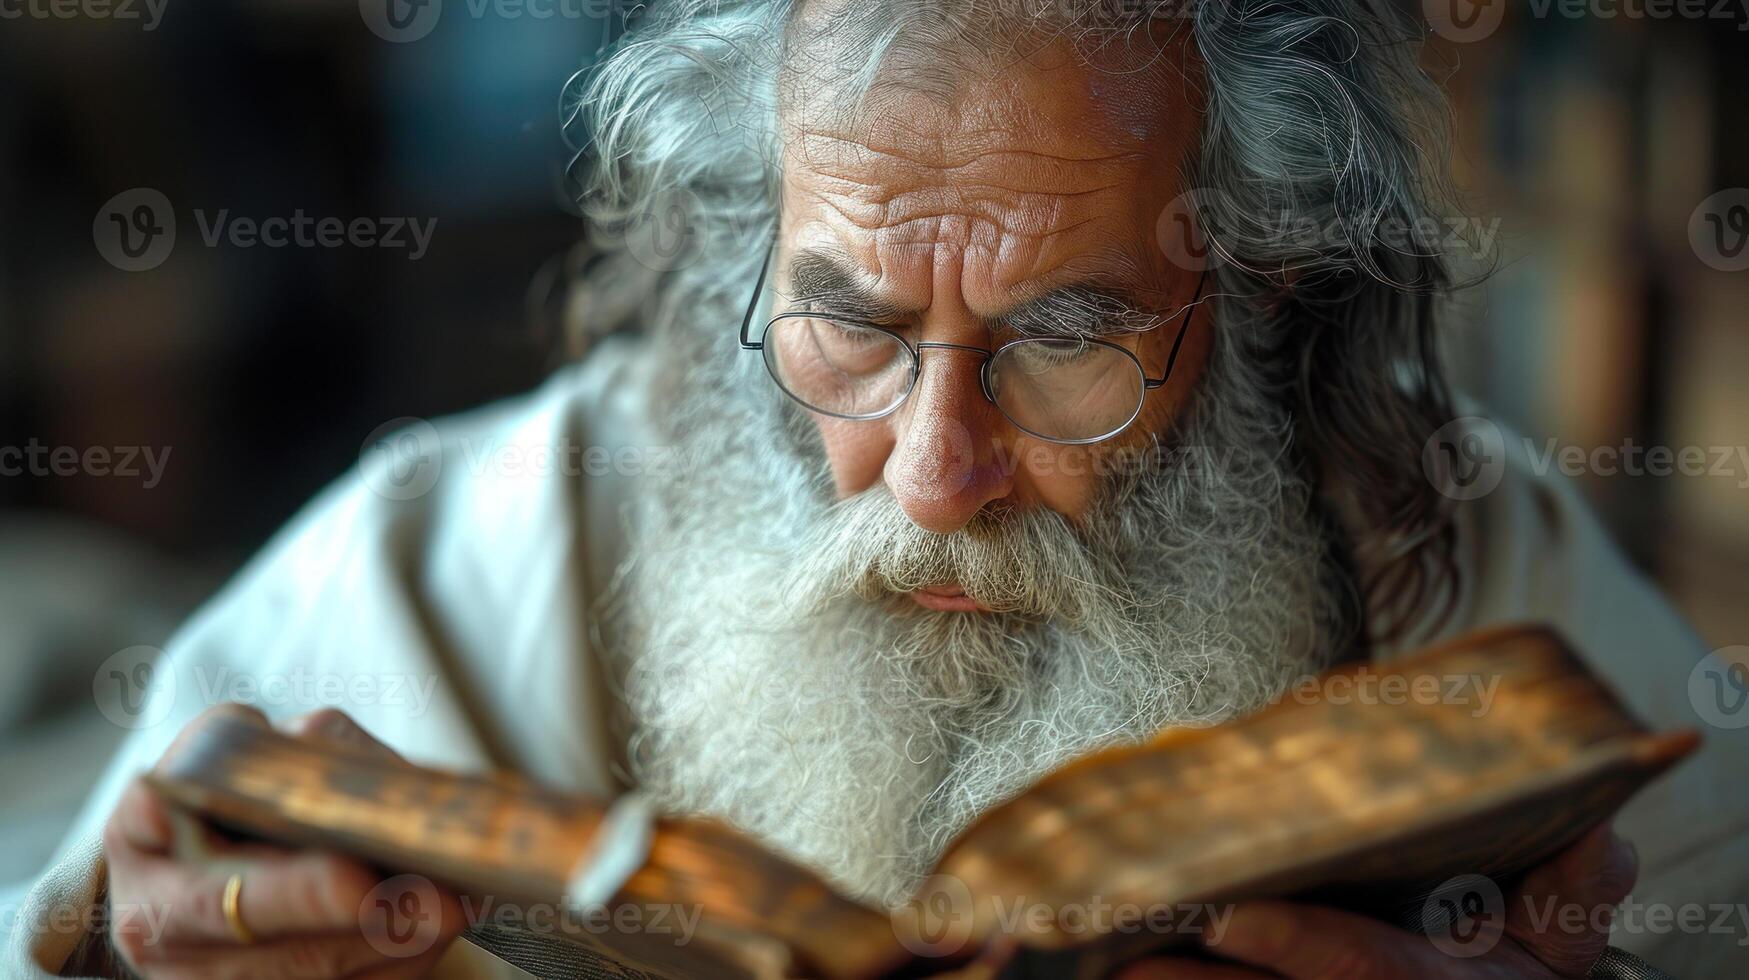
173 935
1562 911
409 947
1181 968
139 824
334 725
228 710
1307 941
142 824
183 901
298 893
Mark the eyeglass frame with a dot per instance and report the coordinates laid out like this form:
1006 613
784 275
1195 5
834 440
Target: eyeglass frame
917 349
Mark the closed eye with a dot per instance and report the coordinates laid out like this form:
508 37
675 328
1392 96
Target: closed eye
1045 353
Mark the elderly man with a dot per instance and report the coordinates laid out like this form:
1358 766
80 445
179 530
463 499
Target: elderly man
1031 378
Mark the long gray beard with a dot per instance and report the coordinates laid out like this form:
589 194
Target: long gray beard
776 676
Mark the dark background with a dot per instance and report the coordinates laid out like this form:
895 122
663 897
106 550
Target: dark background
264 368
1591 141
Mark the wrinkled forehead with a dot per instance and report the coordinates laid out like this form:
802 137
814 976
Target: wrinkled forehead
1016 160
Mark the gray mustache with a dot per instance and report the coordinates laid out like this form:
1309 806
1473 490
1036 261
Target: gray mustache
1030 562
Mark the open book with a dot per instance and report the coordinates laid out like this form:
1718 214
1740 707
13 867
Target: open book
1367 787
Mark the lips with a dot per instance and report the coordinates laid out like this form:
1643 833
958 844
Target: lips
945 597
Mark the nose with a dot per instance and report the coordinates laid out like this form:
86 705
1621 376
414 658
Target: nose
948 458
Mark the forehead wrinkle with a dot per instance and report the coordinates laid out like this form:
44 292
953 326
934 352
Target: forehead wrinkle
859 160
1019 262
1013 214
990 217
989 221
872 190
1110 266
813 138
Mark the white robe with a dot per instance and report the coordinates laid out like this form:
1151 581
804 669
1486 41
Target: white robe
485 584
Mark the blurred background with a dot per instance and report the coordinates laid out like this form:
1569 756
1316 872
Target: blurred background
1599 157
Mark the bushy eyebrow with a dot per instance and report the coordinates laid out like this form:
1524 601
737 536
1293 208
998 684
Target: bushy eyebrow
1086 311
818 280
821 281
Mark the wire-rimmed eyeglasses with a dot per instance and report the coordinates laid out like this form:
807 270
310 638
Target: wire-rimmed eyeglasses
1066 389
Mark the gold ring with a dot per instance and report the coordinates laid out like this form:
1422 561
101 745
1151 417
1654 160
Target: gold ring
234 911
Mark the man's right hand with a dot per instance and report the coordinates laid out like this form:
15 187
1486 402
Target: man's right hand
308 914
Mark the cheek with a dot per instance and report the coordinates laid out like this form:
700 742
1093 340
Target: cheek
1061 478
856 451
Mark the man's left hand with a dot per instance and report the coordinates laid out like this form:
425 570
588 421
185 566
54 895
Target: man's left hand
1542 937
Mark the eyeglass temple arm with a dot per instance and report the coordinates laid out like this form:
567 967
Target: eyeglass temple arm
753 305
1172 359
